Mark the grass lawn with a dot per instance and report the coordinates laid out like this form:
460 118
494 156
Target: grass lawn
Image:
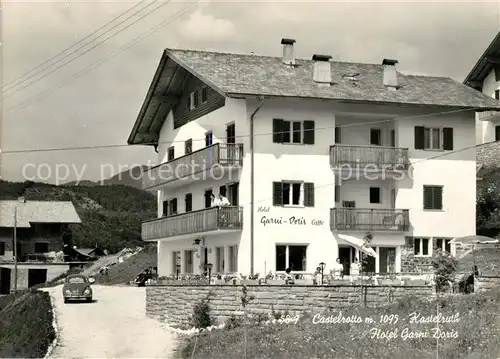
477 334
25 325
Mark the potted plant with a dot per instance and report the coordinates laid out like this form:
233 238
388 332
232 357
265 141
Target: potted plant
251 280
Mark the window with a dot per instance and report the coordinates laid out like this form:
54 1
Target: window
171 153
165 209
230 133
208 198
433 138
2 248
189 202
338 134
293 257
188 146
337 194
433 197
497 94
41 247
219 259
374 195
393 138
443 244
208 139
497 133
222 190
233 259
293 194
172 206
233 193
176 262
188 261
196 98
299 132
204 94
421 247
375 137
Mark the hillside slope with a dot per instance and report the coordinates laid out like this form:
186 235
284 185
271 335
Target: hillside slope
111 215
131 177
26 329
122 273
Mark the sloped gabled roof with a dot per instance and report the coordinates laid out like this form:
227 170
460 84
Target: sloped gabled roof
249 76
484 65
240 74
37 212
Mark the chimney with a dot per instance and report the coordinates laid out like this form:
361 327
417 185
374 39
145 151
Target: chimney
288 53
390 74
322 69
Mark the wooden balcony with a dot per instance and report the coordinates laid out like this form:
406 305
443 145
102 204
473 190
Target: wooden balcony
369 157
191 165
201 221
488 115
366 219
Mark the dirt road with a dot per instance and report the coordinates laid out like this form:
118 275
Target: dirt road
114 326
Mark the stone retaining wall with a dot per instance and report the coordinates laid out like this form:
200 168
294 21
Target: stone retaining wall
488 154
173 304
485 283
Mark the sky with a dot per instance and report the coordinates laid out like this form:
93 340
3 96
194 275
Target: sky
94 99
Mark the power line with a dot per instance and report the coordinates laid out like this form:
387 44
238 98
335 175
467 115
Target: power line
93 47
104 59
238 136
70 47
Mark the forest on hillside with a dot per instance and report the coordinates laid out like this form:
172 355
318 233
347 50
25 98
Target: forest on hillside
111 215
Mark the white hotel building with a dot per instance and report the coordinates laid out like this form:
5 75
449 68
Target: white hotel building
278 134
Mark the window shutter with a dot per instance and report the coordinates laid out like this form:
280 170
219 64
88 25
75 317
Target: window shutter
277 194
277 130
165 208
419 138
448 139
428 197
309 132
189 202
438 197
309 194
222 190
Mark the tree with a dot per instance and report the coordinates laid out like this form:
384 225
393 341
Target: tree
488 204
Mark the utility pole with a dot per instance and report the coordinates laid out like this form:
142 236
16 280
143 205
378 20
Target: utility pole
1 85
15 249
20 200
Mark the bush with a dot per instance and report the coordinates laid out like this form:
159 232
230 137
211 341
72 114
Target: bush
444 269
201 314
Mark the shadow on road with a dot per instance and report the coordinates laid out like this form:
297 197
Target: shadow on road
82 301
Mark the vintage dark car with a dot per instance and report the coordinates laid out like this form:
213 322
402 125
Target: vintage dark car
147 274
77 287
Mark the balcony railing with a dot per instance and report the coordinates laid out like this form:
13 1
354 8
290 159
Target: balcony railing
366 219
204 220
377 157
487 115
224 155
